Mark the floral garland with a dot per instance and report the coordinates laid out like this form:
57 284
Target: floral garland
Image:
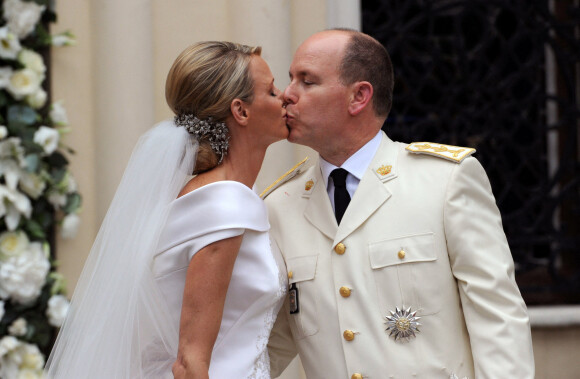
37 190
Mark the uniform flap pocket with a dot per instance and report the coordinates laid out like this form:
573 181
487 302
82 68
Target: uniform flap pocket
301 268
400 250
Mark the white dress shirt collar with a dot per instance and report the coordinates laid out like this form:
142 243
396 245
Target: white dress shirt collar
356 166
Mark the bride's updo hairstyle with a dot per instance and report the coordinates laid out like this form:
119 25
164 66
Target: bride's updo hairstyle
202 83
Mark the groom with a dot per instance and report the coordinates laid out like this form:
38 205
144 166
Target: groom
397 261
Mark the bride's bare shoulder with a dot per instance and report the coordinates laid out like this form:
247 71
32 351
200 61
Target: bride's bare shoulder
201 180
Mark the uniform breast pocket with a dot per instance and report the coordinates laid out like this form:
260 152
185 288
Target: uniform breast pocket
405 270
301 276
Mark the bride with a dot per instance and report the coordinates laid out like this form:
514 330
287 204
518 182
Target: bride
182 280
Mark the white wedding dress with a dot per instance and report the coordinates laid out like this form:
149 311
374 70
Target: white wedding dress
123 320
211 213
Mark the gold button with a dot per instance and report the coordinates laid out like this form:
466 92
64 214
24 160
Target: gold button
340 248
290 274
348 335
401 254
356 376
344 291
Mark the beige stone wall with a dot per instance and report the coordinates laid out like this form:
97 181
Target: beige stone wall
557 352
112 84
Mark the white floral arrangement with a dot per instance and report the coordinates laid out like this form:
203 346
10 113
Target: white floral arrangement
38 193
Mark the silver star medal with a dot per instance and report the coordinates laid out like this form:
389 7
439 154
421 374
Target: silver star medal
403 324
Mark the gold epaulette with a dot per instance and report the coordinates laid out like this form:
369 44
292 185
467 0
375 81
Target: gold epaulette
284 178
452 153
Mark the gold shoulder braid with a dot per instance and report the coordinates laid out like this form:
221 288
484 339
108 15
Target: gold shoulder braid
284 178
452 153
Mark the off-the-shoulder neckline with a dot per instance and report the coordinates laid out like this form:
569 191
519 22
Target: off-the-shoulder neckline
208 186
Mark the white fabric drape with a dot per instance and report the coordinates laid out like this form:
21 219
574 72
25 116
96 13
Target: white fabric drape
117 308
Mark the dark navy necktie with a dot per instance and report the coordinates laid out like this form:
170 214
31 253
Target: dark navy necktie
341 196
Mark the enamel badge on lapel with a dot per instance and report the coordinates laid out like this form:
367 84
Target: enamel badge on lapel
309 185
403 324
384 170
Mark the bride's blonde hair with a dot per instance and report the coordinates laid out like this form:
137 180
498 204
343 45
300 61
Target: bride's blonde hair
204 80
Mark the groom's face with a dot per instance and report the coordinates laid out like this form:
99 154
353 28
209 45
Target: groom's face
316 99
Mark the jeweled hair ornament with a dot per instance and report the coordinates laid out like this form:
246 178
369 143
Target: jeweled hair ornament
216 133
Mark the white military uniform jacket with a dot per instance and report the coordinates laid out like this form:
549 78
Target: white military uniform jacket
420 232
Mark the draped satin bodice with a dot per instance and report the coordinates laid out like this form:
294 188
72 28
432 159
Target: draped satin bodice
211 213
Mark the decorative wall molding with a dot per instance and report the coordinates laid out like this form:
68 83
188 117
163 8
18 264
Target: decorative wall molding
554 316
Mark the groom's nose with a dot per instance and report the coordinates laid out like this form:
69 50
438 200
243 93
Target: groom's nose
288 95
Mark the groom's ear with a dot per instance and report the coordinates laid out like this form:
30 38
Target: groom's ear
362 93
239 111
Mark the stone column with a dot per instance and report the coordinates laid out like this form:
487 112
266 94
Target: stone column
343 13
123 87
267 23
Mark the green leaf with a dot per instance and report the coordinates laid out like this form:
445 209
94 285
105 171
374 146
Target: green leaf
3 99
42 35
58 174
32 161
43 214
57 160
57 282
21 115
73 203
30 331
16 129
35 230
27 136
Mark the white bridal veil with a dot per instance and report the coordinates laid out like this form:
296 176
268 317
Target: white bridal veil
117 325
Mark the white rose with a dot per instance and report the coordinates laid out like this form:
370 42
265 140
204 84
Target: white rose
9 44
57 199
57 309
13 198
20 360
9 360
66 38
47 138
32 60
8 344
32 358
11 172
13 205
12 148
32 184
5 74
18 328
22 16
29 374
67 184
37 99
70 225
57 113
71 183
24 82
22 277
3 131
12 244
